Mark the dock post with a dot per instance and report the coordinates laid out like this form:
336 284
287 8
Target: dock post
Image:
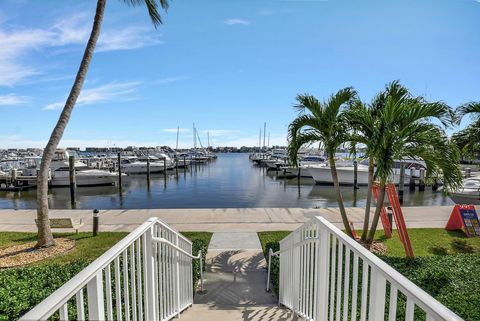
176 165
421 182
119 160
355 174
73 183
165 167
411 185
401 183
148 170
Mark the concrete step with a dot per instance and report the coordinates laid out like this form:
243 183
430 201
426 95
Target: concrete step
235 260
206 312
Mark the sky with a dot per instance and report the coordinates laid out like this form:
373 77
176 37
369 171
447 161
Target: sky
227 66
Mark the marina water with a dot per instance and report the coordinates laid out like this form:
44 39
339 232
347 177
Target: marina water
231 181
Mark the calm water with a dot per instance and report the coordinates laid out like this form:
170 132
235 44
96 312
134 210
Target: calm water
230 181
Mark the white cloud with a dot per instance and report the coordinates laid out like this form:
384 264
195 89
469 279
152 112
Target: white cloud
12 99
20 42
114 91
127 39
169 80
174 130
236 21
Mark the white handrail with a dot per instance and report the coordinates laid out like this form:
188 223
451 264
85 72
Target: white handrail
58 298
427 302
198 257
320 279
143 272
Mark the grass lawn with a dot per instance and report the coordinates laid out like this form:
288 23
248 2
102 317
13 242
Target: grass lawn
87 247
425 242
446 265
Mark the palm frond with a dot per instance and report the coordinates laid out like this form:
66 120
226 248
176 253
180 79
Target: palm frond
472 108
152 8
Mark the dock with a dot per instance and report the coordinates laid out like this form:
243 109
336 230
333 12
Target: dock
221 219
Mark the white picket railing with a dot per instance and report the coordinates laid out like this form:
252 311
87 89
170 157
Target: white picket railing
146 276
326 275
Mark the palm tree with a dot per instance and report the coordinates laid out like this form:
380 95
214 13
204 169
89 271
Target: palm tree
404 130
45 238
325 123
363 119
468 139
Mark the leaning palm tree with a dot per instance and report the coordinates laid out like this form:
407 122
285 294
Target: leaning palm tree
404 130
468 139
325 123
45 238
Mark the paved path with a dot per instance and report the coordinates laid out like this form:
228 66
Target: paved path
235 281
221 219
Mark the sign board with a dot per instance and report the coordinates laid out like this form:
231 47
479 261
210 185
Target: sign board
464 217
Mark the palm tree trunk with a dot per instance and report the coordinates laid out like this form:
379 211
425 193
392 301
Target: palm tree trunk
368 205
45 238
343 213
378 209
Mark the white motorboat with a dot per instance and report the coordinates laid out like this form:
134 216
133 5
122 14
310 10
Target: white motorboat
345 170
468 193
140 165
60 175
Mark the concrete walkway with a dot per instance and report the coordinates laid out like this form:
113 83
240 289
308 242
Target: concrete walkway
235 281
221 219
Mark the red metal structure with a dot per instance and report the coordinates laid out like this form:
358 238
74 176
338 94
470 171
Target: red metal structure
391 193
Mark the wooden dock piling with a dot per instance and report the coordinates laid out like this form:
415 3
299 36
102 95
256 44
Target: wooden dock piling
73 182
421 181
119 160
355 174
401 184
148 171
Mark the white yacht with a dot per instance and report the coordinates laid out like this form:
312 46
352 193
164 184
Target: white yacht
139 165
60 175
345 169
468 193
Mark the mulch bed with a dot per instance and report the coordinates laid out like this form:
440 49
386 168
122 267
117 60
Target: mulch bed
22 254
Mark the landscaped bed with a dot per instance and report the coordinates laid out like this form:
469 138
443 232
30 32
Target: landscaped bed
446 265
24 287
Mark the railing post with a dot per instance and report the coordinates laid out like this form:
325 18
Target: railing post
177 272
149 268
201 270
269 267
376 310
96 308
323 275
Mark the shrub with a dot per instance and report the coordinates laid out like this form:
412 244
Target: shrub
23 288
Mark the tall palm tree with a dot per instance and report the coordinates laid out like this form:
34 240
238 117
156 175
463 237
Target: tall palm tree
45 238
404 130
325 123
363 119
468 139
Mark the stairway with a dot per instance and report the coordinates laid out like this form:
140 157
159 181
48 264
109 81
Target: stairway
235 281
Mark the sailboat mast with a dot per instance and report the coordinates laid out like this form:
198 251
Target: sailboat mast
208 138
178 130
268 145
264 132
194 137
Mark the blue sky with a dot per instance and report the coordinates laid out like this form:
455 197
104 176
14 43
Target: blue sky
228 66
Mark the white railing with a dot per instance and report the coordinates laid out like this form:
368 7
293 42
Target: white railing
145 276
326 275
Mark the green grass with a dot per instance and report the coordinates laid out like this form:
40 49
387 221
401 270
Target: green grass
425 242
87 247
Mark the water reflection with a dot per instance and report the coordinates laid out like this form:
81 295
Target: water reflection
230 181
